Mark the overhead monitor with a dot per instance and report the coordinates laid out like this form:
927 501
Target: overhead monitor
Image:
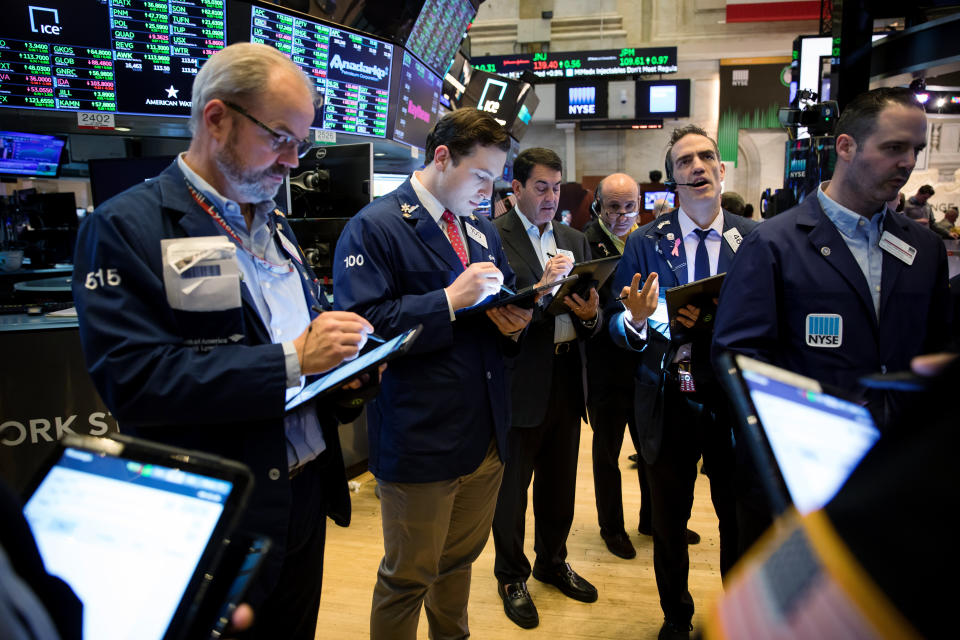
494 94
607 63
419 91
581 100
30 154
663 99
121 56
352 70
667 200
438 31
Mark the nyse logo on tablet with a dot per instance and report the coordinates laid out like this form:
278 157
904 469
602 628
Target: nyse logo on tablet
824 330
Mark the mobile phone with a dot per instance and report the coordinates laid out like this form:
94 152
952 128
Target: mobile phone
243 560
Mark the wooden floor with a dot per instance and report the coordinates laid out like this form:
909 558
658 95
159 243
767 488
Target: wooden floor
628 606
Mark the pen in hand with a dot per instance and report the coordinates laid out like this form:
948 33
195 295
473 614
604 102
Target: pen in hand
370 336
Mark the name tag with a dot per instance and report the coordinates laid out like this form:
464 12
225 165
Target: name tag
897 247
733 238
476 234
824 330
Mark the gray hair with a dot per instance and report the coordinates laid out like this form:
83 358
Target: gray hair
238 71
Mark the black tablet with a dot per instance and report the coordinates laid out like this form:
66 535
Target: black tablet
136 529
525 298
334 379
591 274
805 443
700 293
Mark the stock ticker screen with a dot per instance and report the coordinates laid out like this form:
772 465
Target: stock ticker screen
352 71
124 56
438 31
418 104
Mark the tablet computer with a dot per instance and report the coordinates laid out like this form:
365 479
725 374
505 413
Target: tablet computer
332 380
136 529
700 293
805 442
525 298
591 274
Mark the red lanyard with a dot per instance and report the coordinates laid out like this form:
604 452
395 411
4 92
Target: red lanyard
205 204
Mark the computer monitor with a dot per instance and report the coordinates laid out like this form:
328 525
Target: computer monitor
419 91
650 199
582 100
332 181
30 154
110 176
438 31
384 183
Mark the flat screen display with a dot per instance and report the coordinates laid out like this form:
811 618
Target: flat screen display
352 70
30 154
384 183
418 101
663 99
126 536
650 199
581 100
437 33
816 439
122 56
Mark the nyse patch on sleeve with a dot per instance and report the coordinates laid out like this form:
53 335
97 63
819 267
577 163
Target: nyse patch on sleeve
824 330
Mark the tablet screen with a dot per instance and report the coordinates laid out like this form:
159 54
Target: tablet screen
349 370
126 536
817 439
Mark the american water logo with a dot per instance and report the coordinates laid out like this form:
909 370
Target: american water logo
349 67
582 100
824 330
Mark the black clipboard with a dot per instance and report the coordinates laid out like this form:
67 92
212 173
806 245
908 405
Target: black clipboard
334 379
525 298
700 294
592 273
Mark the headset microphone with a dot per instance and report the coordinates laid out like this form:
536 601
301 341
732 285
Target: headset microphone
672 185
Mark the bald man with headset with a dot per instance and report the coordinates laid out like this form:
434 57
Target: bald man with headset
679 421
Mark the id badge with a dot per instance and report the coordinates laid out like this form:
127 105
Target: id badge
685 377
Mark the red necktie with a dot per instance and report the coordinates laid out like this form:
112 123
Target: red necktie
453 232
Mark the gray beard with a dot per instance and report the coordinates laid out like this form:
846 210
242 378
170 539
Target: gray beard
249 185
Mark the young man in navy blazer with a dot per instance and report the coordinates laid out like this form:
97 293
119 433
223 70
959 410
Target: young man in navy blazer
678 422
438 429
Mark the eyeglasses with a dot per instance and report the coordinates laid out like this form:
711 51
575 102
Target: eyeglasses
280 141
616 216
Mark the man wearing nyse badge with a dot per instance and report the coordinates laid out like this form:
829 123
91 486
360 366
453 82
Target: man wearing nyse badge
437 431
546 384
839 287
195 318
677 423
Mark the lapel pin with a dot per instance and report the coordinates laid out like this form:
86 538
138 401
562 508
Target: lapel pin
825 251
407 209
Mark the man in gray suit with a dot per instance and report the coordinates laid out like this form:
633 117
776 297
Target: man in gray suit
546 388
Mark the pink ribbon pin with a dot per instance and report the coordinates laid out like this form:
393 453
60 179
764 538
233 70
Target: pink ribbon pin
676 248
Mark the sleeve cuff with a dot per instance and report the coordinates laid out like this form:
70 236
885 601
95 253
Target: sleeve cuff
629 329
292 363
453 315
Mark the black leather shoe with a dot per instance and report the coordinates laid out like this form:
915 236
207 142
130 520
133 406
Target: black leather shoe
619 545
518 605
674 631
567 580
692 536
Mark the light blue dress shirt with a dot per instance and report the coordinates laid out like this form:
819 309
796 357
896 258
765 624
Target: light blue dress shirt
862 237
280 304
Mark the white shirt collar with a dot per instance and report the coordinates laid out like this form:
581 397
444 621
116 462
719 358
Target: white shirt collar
427 199
530 225
687 225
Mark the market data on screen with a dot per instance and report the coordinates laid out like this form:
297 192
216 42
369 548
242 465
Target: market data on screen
352 71
418 104
123 56
436 35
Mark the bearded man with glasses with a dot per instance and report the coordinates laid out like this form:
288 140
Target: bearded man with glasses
199 320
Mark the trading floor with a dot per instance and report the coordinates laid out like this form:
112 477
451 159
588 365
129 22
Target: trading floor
627 608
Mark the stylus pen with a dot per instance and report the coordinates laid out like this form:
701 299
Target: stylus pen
370 336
